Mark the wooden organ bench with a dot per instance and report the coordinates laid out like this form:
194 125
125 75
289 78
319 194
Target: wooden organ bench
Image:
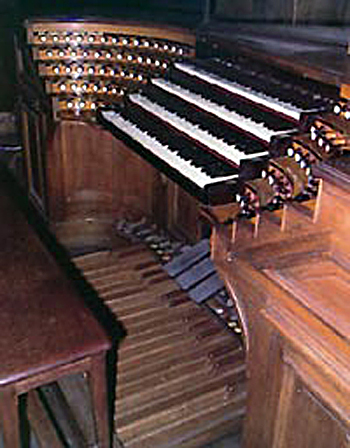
46 330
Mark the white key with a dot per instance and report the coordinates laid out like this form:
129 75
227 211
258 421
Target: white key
258 97
247 124
188 170
230 152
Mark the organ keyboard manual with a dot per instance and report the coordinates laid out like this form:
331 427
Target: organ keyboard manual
212 125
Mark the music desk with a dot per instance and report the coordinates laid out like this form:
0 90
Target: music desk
46 330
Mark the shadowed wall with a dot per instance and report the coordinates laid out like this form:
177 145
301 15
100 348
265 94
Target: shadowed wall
290 11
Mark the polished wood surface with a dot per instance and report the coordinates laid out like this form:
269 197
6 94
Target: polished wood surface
94 179
46 329
289 275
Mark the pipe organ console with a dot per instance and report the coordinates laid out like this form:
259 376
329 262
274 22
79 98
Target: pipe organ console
187 135
225 127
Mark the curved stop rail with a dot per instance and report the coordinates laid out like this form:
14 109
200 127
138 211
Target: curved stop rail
86 64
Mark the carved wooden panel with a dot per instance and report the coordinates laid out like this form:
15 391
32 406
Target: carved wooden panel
333 212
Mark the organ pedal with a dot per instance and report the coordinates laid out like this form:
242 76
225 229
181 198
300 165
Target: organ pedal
180 370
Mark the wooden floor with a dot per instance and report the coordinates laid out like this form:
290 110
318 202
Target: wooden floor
180 372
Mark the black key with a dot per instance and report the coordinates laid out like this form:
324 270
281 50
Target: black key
207 122
186 148
231 102
303 93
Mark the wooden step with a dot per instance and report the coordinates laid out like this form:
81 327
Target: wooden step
138 304
165 287
183 368
174 366
123 273
115 277
93 258
153 316
205 329
162 413
119 285
156 313
182 316
159 326
151 336
144 304
171 363
166 372
96 260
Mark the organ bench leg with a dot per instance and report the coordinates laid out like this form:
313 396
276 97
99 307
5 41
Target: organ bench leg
9 417
94 366
97 381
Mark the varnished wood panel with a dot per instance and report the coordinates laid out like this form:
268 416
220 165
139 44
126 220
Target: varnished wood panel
89 166
313 286
305 421
333 212
183 213
291 284
95 179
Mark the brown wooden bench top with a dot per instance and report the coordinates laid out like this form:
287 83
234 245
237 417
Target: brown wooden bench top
44 322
